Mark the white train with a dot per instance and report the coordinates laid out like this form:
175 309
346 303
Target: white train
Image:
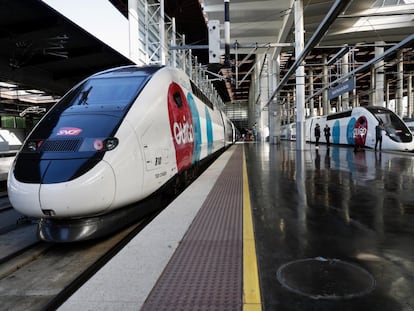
357 126
288 131
113 140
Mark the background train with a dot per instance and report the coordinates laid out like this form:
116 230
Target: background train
358 124
113 140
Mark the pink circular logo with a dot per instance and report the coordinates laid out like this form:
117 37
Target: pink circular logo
360 131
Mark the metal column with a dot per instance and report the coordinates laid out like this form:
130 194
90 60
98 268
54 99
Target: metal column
311 90
300 77
345 71
400 84
379 76
410 105
325 81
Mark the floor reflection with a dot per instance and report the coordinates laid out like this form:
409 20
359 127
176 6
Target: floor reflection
334 203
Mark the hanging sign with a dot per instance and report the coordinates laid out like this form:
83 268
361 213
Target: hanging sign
342 88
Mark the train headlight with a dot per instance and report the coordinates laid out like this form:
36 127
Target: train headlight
33 145
106 144
111 143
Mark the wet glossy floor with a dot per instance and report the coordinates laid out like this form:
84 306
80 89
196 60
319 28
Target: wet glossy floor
334 229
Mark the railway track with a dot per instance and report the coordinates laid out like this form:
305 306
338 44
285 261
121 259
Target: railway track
43 275
35 275
17 232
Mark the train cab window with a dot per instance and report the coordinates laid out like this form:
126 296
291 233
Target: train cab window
178 100
111 93
394 126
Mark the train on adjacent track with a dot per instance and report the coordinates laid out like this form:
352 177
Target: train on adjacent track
114 139
357 127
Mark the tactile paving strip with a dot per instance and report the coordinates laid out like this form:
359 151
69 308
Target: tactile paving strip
205 272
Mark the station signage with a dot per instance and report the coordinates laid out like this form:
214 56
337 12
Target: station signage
342 88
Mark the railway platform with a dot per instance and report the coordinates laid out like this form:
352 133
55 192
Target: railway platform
269 227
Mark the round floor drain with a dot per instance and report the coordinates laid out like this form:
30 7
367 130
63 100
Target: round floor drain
322 278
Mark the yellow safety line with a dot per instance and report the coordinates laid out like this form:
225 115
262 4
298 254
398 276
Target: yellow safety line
251 288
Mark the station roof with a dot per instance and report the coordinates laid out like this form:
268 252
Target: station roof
260 26
256 25
41 49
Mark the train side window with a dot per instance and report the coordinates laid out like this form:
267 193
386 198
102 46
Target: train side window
178 100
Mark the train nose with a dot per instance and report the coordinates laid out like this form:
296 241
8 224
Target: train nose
90 194
23 196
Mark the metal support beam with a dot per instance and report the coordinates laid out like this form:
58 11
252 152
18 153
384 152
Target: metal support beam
233 46
390 51
338 55
335 10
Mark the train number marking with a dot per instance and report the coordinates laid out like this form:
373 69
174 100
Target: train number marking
158 175
158 160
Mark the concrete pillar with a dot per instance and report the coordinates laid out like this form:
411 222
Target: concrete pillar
311 90
387 94
300 76
400 84
252 100
410 104
345 71
320 107
264 98
274 107
325 81
293 107
354 98
264 126
372 86
288 108
379 76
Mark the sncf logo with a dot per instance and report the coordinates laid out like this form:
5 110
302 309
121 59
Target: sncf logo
69 131
183 132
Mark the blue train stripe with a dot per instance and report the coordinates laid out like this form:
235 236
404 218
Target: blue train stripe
209 131
336 133
350 131
196 128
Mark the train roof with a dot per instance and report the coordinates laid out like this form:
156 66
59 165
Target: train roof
133 69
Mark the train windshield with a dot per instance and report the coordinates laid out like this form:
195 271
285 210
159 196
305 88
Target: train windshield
394 126
104 93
